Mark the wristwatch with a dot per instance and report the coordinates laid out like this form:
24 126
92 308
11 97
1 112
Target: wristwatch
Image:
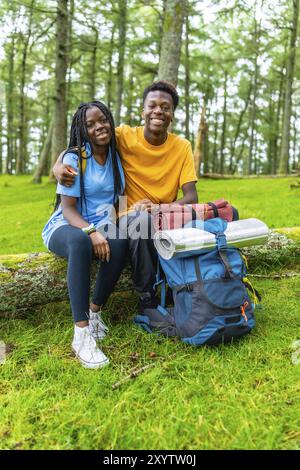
89 229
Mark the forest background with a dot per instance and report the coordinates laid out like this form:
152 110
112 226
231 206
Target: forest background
234 63
237 70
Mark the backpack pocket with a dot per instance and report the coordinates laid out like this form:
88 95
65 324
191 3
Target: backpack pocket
158 321
212 305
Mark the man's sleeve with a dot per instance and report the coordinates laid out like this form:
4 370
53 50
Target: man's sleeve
188 172
119 133
74 190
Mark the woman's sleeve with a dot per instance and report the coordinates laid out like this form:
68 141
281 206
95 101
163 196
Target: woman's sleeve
74 190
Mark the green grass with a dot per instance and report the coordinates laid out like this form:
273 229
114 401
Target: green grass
26 207
240 396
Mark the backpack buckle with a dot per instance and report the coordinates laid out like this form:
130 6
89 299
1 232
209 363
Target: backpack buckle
221 241
186 287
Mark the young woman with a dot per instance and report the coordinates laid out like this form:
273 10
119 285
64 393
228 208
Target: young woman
83 225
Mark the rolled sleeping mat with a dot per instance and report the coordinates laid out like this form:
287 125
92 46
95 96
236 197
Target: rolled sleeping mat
188 241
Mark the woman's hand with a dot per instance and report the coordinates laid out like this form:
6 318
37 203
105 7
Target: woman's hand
100 246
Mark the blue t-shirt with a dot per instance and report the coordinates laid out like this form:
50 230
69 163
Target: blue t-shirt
97 206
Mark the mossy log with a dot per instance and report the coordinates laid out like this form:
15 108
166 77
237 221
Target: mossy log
282 251
34 279
31 280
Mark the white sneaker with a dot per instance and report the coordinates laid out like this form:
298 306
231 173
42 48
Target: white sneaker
86 349
97 327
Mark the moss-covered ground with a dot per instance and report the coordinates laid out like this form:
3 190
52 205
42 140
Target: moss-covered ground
239 396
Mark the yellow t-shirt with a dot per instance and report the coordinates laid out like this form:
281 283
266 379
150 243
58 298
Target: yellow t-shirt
154 172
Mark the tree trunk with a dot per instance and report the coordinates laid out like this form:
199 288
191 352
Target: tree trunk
22 150
129 100
224 125
122 25
285 144
10 106
248 162
206 149
40 170
70 61
277 125
92 93
256 159
215 148
1 145
200 139
294 165
187 79
238 130
271 125
171 40
32 280
110 72
59 136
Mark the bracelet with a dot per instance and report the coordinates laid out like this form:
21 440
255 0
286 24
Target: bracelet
89 229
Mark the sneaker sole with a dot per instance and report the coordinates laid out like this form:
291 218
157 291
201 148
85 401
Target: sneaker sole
91 365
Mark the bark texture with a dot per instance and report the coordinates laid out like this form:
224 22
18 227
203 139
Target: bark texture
59 135
34 279
171 41
290 72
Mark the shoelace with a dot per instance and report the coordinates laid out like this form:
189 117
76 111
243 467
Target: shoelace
87 339
101 325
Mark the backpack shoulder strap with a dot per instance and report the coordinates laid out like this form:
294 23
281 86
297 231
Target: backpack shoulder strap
161 281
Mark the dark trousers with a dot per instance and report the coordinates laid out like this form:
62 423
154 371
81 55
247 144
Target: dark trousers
235 213
143 257
71 243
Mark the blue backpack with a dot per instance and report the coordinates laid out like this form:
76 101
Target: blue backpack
211 303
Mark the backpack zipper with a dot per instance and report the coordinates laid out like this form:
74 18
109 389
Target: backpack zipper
243 308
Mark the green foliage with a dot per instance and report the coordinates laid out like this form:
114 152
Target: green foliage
240 396
26 207
221 39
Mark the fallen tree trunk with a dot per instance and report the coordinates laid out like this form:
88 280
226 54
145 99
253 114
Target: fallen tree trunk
34 279
31 280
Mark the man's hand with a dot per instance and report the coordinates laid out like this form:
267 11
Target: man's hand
65 174
190 195
142 205
100 246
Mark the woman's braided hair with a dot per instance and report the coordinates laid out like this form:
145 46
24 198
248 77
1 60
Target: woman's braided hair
78 137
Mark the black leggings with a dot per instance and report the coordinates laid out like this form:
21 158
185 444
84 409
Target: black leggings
73 244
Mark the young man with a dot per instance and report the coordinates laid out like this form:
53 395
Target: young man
156 164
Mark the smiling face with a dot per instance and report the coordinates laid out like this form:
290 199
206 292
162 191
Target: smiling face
98 127
158 112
